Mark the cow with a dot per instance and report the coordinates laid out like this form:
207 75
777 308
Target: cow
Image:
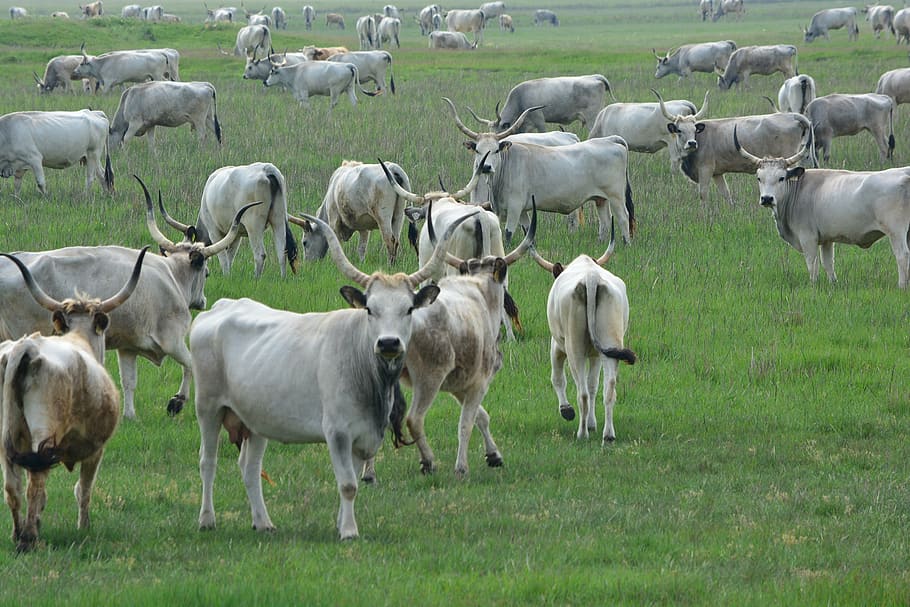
170 18
279 18
728 7
57 402
561 178
341 392
560 100
838 115
220 15
59 73
427 18
832 19
172 70
467 21
322 53
709 57
796 93
60 15
257 18
55 140
387 31
120 67
153 13
815 208
895 84
309 15
704 148
450 41
334 19
390 10
229 189
588 316
545 17
643 125
366 32
259 69
492 10
131 11
253 41
705 9
92 9
17 12
902 25
505 24
168 104
371 65
325 78
764 60
881 17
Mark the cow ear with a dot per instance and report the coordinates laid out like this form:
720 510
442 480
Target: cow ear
463 268
795 172
504 145
100 323
557 269
671 126
61 324
699 127
471 145
500 268
197 260
425 296
355 298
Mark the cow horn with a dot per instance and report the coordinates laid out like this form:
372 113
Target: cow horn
303 223
795 158
222 51
341 260
704 107
452 260
489 123
112 303
663 107
653 50
474 179
38 79
528 241
543 263
742 151
157 236
603 259
170 220
82 50
773 105
472 134
498 115
411 196
234 232
43 299
518 122
439 253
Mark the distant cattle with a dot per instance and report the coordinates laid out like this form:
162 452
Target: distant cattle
428 18
902 25
729 7
839 115
545 17
309 15
831 19
153 13
705 9
881 17
466 22
92 9
120 67
388 31
324 78
279 18
450 40
131 11
764 60
220 15
366 32
796 93
709 57
492 10
17 12
334 20
60 15
253 41
505 24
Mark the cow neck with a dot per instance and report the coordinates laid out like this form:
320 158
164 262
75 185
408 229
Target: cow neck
786 209
498 185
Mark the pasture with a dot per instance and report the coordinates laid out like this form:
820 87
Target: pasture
761 454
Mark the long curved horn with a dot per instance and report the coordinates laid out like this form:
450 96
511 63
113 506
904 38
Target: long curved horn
82 50
704 107
489 123
472 134
170 220
773 105
451 259
157 236
663 108
440 252
528 240
603 259
341 260
215 248
654 50
742 151
111 303
43 299
517 123
474 179
38 79
419 200
795 158
543 263
498 115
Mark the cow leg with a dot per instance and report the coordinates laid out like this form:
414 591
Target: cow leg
470 404
128 381
610 369
12 484
592 381
150 135
37 499
303 97
252 451
182 355
389 237
425 391
491 451
209 425
352 91
226 257
810 252
507 323
279 236
558 379
88 470
17 182
339 444
721 182
901 256
257 244
827 255
363 239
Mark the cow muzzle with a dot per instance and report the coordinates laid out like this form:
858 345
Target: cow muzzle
691 145
766 201
389 348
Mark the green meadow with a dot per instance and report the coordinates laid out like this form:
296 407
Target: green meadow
762 438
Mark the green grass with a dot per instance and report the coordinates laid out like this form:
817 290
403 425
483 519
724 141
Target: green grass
761 453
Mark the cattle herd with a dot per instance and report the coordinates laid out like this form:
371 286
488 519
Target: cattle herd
436 329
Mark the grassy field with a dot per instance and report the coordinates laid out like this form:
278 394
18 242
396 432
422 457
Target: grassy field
761 453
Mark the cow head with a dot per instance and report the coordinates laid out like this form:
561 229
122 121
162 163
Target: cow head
666 64
43 87
556 268
259 69
774 174
86 68
683 130
809 35
275 66
189 256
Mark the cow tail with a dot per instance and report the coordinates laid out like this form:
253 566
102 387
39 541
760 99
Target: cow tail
412 235
630 205
891 131
215 112
108 171
396 416
590 289
804 86
391 74
607 85
511 308
290 244
478 239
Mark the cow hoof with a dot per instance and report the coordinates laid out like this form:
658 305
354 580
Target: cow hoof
609 439
494 460
427 467
369 479
567 412
175 405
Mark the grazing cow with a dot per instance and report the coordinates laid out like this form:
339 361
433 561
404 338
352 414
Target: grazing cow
796 93
881 17
60 15
169 104
832 19
895 84
709 57
366 32
729 7
220 15
704 149
279 18
131 11
229 189
838 115
17 12
390 10
319 53
492 10
451 41
309 15
120 67
705 9
170 18
588 315
387 31
152 325
902 25
92 9
643 125
341 393
359 199
764 60
257 18
58 402
334 19
505 24
59 73
561 178
253 41
561 100
371 65
428 20
153 13
55 140
466 22
325 78
545 17
815 208
259 69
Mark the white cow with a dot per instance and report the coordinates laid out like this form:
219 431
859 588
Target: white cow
709 57
120 67
902 25
131 11
153 13
896 84
59 73
253 41
764 60
428 18
451 41
881 17
259 69
17 12
839 115
387 31
467 22
796 93
371 65
729 7
545 17
492 10
366 32
317 78
831 19
309 15
279 18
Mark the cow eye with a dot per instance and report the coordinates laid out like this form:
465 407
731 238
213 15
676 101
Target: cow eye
781 180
